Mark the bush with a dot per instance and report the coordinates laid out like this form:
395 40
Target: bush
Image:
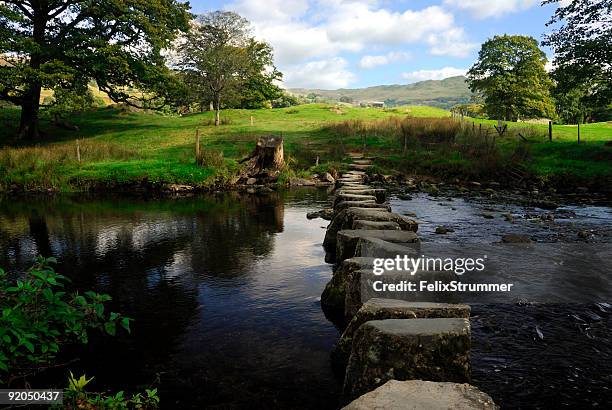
39 317
210 158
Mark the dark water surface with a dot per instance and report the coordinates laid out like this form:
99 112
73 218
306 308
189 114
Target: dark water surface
224 291
225 294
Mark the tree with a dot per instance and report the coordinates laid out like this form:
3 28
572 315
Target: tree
583 53
223 62
511 77
56 43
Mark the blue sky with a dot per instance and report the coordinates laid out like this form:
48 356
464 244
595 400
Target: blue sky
358 43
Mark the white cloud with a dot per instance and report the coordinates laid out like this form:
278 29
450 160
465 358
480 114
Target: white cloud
440 74
486 8
452 43
309 34
368 62
326 74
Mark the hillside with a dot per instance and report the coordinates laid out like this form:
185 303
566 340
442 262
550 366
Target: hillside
437 93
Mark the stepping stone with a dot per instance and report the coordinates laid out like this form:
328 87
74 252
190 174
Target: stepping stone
380 309
352 197
355 155
424 395
407 349
345 218
380 194
347 240
359 173
335 290
375 225
362 204
360 167
361 287
362 162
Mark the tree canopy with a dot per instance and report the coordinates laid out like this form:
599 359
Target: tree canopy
583 56
222 62
511 78
56 44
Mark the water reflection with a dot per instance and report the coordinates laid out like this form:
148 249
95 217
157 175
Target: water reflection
223 289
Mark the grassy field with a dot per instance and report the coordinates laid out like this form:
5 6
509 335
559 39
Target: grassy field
118 146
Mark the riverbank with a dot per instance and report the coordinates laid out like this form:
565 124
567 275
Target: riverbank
123 150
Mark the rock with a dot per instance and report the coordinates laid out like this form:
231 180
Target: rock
341 197
410 214
374 225
404 197
251 181
347 240
360 167
345 218
327 214
407 349
487 216
334 294
582 189
508 217
584 234
360 289
442 230
371 247
475 184
380 309
514 238
179 188
423 395
544 204
329 178
301 182
380 194
362 204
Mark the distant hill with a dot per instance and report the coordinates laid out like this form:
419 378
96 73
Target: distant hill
436 93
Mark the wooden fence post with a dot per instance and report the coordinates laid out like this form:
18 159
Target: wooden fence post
549 131
78 151
198 153
578 132
251 120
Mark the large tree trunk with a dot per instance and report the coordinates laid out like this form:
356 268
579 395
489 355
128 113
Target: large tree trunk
30 107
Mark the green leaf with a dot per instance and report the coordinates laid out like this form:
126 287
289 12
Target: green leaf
125 323
28 345
110 328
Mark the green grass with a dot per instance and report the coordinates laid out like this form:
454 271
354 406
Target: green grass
124 147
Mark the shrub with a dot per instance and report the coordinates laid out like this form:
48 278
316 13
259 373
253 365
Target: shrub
39 317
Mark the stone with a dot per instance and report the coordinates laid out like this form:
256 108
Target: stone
371 247
345 218
301 182
329 178
341 197
334 294
360 287
515 238
488 216
179 188
374 225
404 197
544 204
327 214
407 349
424 395
362 162
380 194
442 230
251 181
380 309
360 167
362 204
410 214
347 240
355 172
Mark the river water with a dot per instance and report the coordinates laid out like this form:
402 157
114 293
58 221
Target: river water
225 292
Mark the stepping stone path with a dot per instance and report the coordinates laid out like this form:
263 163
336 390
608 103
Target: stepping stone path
390 340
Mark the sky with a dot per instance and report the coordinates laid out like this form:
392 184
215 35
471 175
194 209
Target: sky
332 44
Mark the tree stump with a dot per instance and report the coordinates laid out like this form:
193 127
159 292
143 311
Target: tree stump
267 159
